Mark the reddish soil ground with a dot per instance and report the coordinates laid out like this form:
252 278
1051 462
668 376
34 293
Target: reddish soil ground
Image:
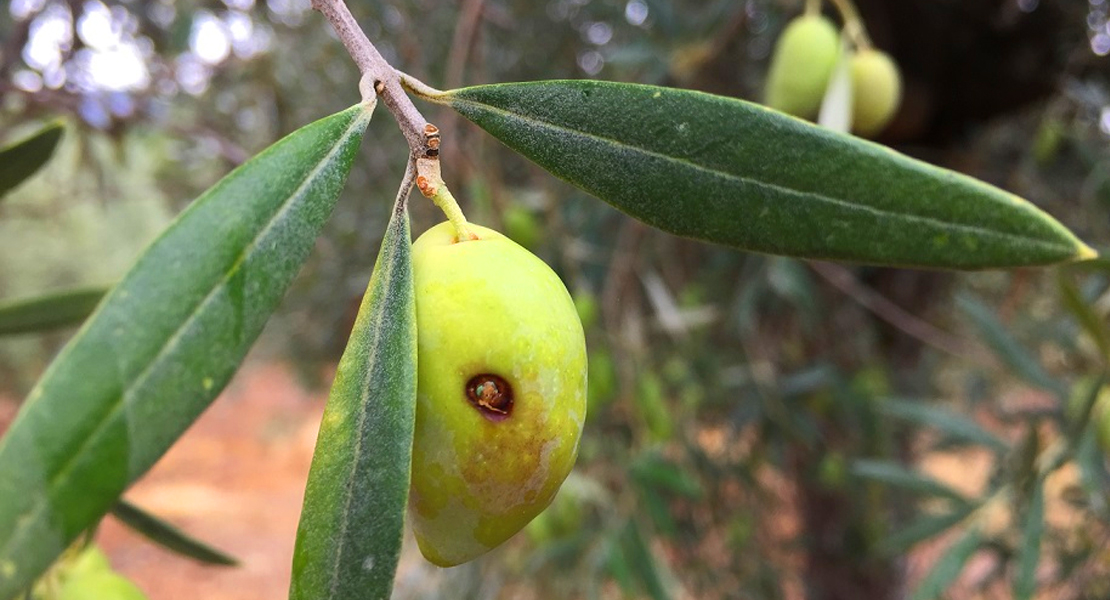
235 480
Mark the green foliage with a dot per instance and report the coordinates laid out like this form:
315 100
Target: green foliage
24 158
1009 350
50 311
169 537
163 344
349 538
895 475
1032 532
735 173
948 568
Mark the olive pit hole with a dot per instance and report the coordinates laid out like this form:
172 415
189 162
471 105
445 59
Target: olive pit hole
491 395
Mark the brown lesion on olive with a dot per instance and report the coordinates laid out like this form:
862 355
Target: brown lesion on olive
491 395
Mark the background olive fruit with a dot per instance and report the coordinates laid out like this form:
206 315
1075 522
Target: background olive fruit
876 91
803 61
100 585
91 560
501 392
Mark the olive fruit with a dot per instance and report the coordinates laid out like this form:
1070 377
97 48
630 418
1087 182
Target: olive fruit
91 560
876 91
801 66
501 391
100 585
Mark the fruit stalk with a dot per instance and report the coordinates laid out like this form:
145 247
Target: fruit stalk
853 24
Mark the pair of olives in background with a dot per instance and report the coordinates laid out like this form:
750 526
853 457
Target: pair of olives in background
804 59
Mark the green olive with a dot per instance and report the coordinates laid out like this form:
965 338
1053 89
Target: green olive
100 585
501 391
801 66
876 91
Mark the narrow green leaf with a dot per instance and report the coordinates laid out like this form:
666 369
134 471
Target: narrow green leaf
895 475
1025 582
349 538
25 157
735 173
655 471
50 311
920 530
952 425
169 537
1084 314
163 343
1079 405
640 558
949 567
1012 354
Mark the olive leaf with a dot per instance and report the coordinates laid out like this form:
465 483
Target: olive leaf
1032 531
948 568
25 157
163 343
735 173
895 475
1017 358
349 538
169 537
49 311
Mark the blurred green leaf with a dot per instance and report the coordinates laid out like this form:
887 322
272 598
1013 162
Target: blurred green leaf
950 424
164 343
618 565
1025 581
349 537
1079 407
647 570
24 158
653 470
168 536
731 172
895 475
1091 323
656 507
1012 354
49 311
921 529
949 566
651 402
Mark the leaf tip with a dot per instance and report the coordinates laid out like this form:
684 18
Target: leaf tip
1085 253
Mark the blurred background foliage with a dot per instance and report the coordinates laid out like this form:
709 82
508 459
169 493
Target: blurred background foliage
759 427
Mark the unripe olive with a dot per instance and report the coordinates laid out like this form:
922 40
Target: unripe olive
100 585
876 91
91 560
803 61
501 391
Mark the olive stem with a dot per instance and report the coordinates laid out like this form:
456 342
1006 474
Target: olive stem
376 71
379 77
431 185
853 24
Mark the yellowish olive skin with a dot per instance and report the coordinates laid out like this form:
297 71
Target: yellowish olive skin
801 66
876 91
91 560
100 585
490 307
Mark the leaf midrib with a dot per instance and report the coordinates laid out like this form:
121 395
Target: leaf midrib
363 400
810 196
32 515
